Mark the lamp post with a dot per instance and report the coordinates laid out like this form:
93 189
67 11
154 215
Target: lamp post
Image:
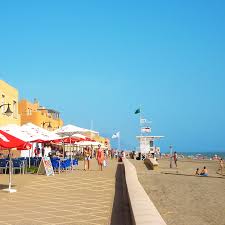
8 111
49 125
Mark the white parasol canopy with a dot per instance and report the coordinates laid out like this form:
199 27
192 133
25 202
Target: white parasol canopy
69 130
18 132
40 133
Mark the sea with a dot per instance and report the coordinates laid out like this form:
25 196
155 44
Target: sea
206 155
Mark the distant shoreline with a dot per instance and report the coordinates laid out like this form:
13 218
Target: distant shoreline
201 154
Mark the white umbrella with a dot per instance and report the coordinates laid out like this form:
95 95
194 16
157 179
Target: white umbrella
41 133
69 130
18 132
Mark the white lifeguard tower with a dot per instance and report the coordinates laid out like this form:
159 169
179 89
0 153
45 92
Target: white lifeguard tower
147 142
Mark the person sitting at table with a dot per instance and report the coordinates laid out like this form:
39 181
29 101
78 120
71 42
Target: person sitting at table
204 172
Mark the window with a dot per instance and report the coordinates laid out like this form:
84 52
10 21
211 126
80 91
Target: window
29 111
2 103
14 109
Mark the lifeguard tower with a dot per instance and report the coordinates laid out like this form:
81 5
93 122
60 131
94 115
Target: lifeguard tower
147 142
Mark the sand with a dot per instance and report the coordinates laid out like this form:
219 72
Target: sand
182 198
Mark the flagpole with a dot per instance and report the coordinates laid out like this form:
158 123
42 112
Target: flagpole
119 142
140 132
91 129
140 119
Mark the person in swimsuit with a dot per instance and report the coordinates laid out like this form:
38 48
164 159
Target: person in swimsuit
175 158
204 172
221 166
197 172
87 158
100 157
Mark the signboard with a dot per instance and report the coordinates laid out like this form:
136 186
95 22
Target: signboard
146 130
45 167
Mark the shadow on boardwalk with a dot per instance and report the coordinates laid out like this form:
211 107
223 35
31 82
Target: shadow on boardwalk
121 214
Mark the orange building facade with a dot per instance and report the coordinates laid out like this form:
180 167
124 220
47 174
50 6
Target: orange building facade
95 136
39 115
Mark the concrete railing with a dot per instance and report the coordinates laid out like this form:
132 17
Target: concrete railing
143 210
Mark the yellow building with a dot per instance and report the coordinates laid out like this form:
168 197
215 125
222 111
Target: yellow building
39 115
95 136
9 104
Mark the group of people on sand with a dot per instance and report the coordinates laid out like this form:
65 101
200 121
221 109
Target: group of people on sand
204 172
99 155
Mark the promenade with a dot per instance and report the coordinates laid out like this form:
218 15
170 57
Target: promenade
77 198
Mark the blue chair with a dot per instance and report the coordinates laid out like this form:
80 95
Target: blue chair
4 165
66 164
75 162
56 165
25 162
17 165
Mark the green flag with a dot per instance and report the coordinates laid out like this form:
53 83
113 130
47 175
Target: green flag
137 111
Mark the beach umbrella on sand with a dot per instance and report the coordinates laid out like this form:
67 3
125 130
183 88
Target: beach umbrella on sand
8 141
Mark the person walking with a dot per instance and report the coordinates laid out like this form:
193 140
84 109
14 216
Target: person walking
87 158
100 157
175 158
221 166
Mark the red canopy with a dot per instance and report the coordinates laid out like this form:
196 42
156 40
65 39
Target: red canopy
68 140
26 146
9 141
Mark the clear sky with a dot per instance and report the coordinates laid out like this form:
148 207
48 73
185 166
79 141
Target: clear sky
99 60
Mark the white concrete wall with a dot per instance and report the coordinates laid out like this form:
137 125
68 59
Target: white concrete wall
143 210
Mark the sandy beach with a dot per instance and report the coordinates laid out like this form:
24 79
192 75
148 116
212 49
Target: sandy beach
182 198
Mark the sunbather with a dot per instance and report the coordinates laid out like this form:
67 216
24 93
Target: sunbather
204 172
197 172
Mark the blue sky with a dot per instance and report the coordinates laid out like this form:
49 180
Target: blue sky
99 60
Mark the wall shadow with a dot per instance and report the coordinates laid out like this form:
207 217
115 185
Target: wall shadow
121 213
148 165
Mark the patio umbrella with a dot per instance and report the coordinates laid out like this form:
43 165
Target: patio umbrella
23 134
41 135
69 130
8 141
